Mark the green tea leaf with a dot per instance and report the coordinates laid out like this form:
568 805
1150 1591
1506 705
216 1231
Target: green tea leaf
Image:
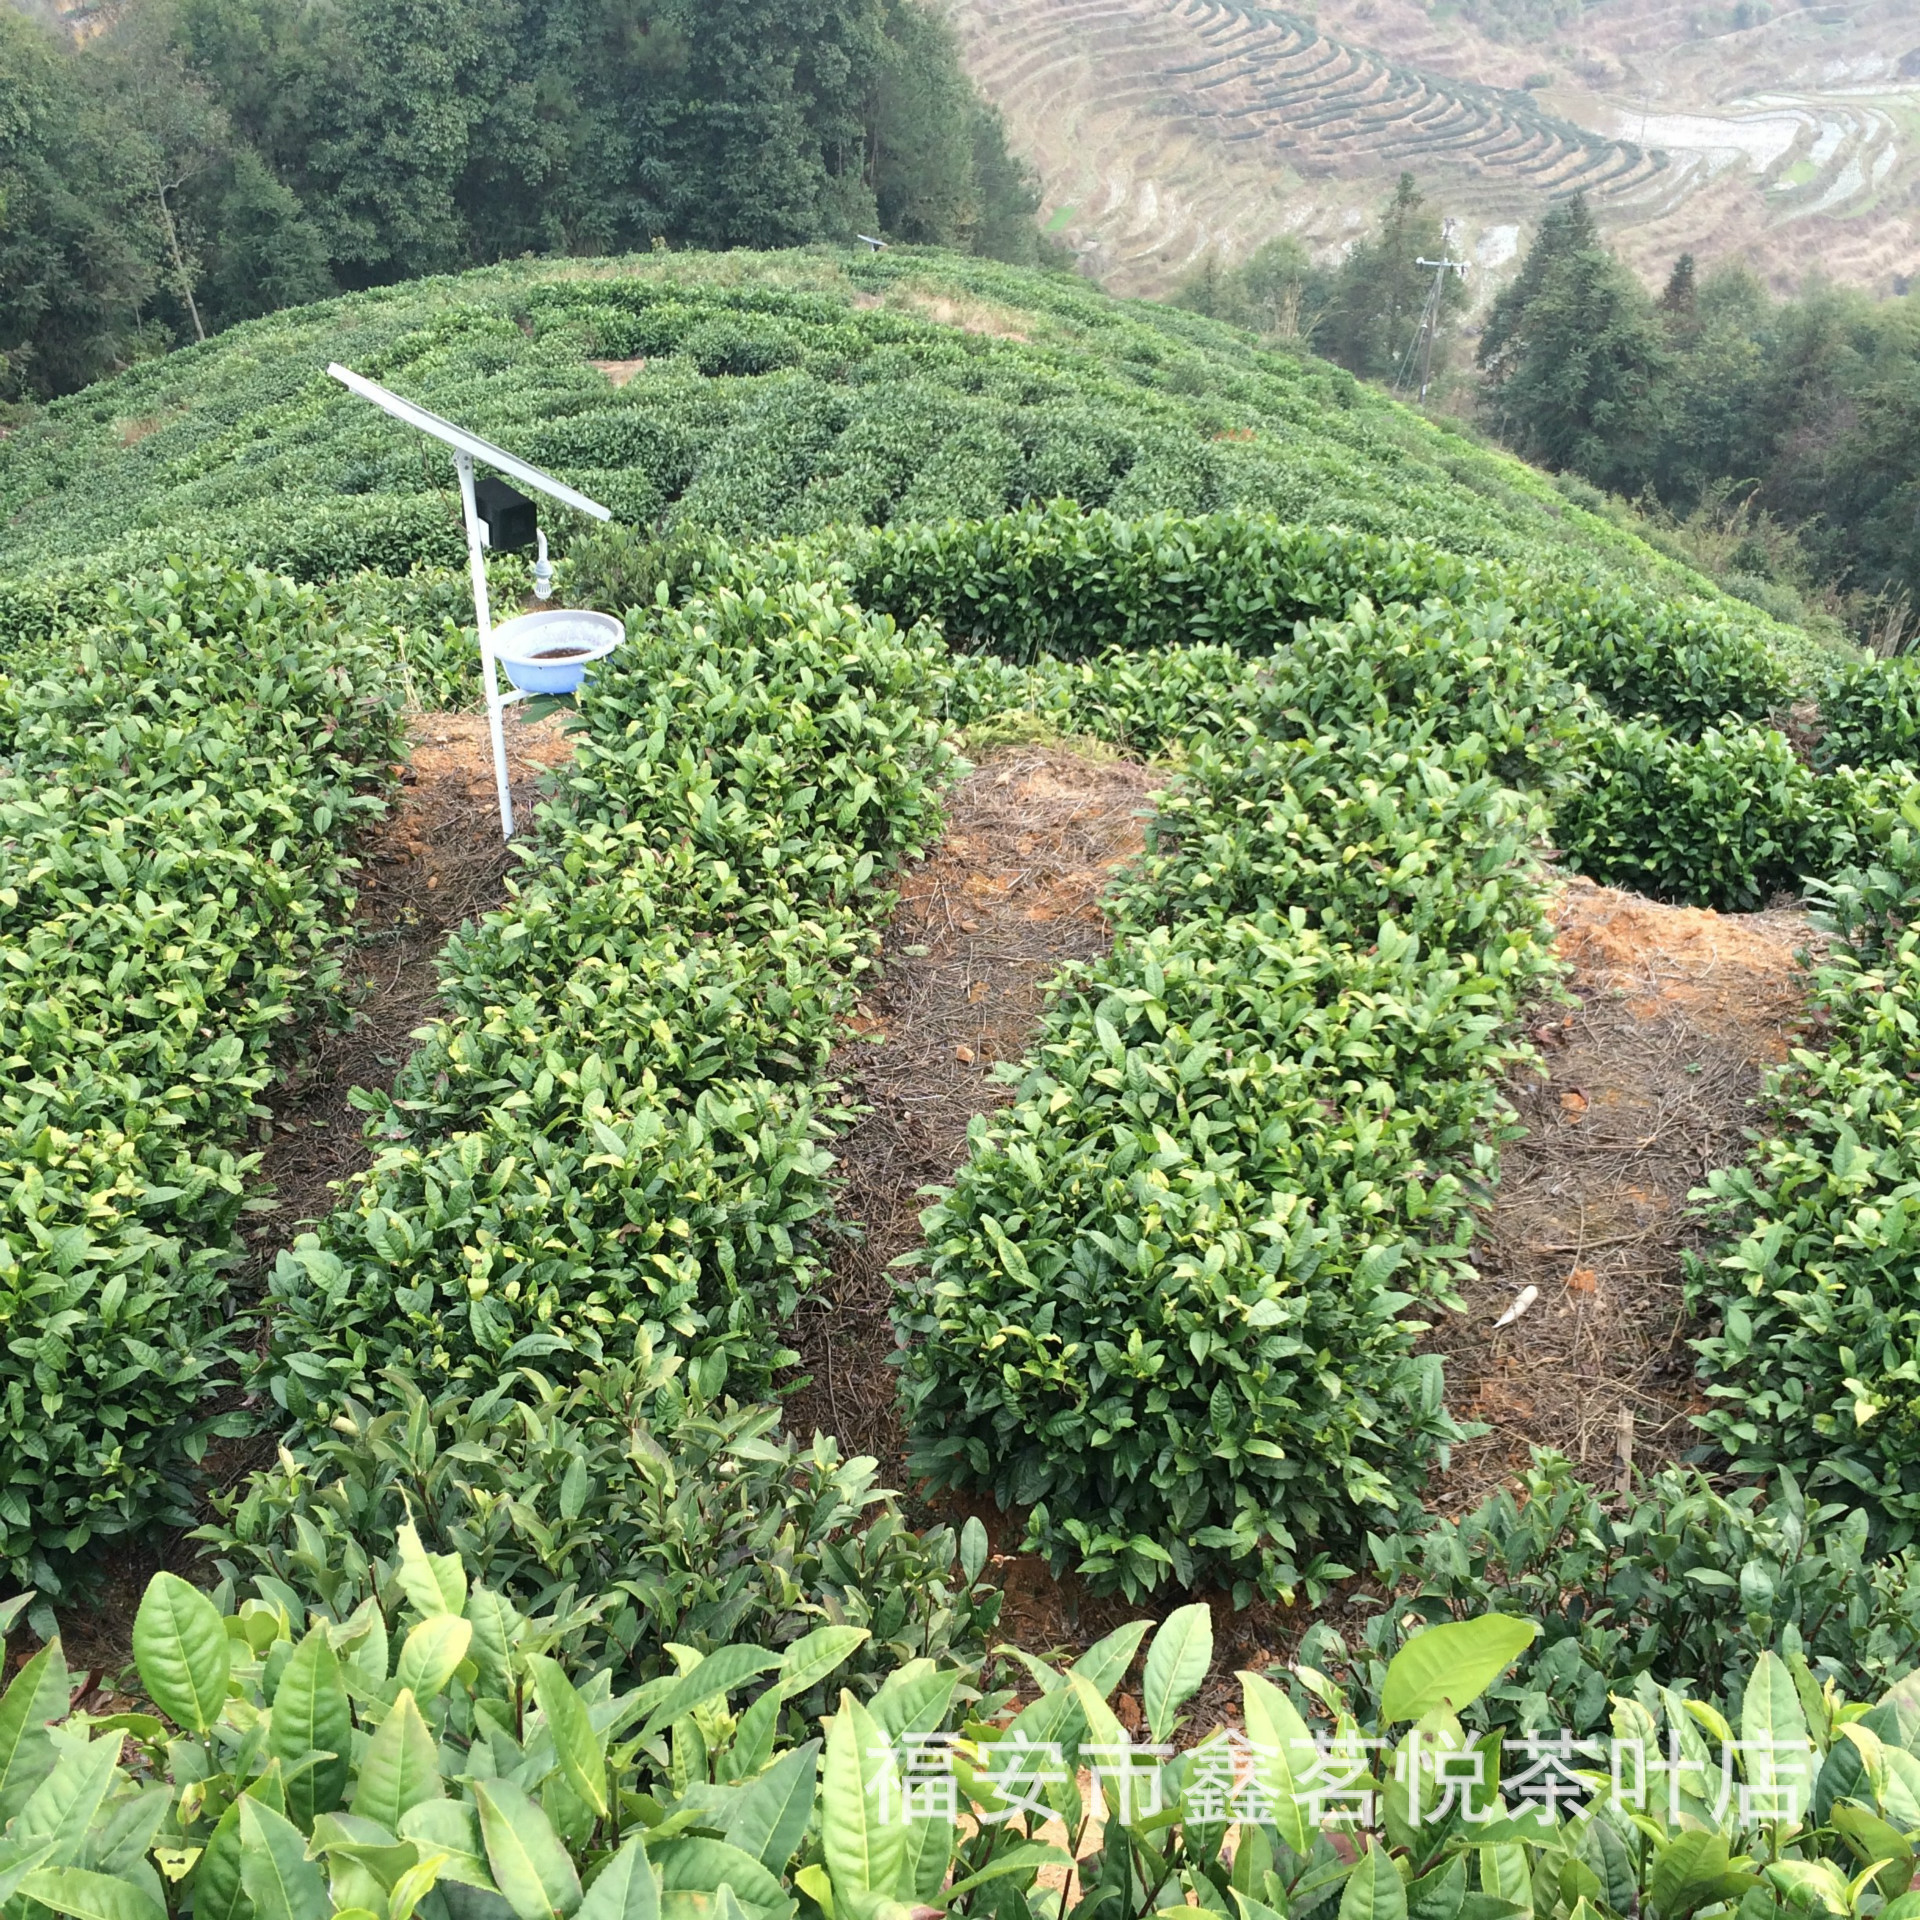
280 1881
90 1896
1177 1662
581 1753
311 1713
1452 1665
400 1768
626 1888
181 1649
530 1866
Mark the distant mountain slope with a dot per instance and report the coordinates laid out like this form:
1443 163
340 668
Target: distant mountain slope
1166 128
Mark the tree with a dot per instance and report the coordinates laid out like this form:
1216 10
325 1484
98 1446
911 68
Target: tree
205 160
1680 300
1276 292
80 254
1575 358
1373 309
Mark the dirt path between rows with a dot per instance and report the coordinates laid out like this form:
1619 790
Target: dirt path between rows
435 860
1651 1080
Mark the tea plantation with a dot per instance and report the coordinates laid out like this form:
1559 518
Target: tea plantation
479 1620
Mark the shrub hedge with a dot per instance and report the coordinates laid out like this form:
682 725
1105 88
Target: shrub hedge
1869 714
1817 1353
639 1512
176 810
1725 821
1162 1303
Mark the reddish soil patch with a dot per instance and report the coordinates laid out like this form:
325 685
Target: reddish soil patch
1648 1089
436 860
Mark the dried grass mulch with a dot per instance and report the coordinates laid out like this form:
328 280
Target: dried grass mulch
1649 1087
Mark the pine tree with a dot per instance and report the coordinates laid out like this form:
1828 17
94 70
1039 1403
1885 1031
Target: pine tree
1380 290
1575 357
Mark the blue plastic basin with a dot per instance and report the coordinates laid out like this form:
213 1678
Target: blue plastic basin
578 637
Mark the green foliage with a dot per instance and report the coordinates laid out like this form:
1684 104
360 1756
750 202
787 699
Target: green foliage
1055 580
189 167
1869 714
1684 1583
1725 821
1156 1305
779 733
1819 1324
1349 837
769 403
79 254
646 1515
1375 298
1685 665
322 1769
175 808
1574 356
1162 1301
610 1142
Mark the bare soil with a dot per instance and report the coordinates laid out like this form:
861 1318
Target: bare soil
1013 891
1649 1086
435 861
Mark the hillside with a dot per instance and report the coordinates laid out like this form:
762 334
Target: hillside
752 395
1784 133
1262 1068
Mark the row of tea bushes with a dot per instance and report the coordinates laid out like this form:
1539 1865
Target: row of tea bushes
466 1768
601 1185
1816 1356
614 1132
176 809
1164 1303
296 1766
1728 821
1060 582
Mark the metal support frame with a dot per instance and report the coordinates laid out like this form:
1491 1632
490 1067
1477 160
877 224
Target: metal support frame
467 448
497 703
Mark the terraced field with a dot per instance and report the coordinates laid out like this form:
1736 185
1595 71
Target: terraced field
1167 128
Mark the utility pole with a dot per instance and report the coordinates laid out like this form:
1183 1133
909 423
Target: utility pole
1422 343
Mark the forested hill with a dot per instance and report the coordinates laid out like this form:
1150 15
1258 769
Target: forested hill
755 395
198 162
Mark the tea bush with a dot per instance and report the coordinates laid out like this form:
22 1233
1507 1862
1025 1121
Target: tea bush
611 1140
644 1514
1818 1346
779 732
1686 1583
1351 834
782 394
176 809
1162 1302
1726 821
1687 666
1869 714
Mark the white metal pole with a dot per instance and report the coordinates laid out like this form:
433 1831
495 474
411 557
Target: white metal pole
483 625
